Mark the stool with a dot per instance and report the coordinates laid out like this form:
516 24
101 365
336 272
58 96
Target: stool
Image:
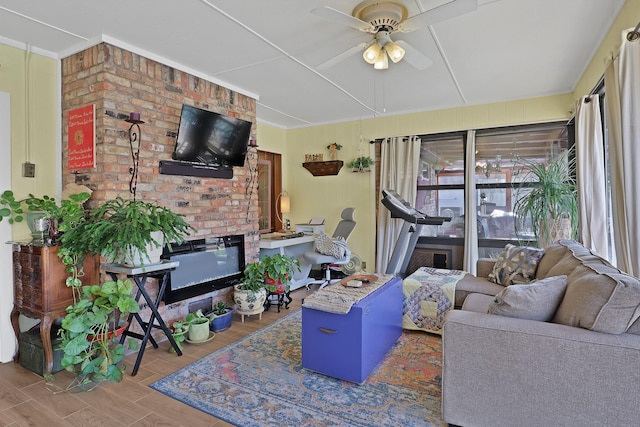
139 276
282 298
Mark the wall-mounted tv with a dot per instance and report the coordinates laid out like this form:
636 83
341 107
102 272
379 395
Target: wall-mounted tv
211 138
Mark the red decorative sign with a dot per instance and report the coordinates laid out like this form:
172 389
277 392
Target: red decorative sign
82 138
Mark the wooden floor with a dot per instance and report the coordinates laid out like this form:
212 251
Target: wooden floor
26 401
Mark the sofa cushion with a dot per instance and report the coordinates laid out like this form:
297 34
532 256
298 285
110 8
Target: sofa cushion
515 264
552 256
471 284
537 300
598 297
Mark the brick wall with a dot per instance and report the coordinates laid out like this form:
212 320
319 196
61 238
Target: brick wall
119 82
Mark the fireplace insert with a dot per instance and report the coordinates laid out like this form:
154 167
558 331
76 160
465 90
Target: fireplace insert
206 265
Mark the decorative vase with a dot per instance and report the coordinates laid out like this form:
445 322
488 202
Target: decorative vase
222 321
199 331
249 302
134 258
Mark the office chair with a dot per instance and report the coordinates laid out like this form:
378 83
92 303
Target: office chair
343 229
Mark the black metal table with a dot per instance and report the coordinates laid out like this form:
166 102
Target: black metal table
139 276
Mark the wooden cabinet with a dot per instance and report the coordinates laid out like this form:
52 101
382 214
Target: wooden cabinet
40 291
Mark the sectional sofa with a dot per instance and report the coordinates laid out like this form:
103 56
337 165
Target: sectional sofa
562 350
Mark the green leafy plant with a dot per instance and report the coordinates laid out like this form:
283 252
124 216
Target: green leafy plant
334 146
180 328
553 198
91 349
120 226
219 309
273 268
360 163
14 210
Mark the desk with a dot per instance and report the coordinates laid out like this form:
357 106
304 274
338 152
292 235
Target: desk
272 243
139 276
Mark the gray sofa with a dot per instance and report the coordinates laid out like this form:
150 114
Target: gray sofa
581 368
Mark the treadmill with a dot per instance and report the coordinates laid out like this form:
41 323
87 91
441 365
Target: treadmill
414 222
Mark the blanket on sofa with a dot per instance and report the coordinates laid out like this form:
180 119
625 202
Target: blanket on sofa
428 294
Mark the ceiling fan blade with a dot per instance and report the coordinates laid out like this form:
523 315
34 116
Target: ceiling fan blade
342 56
414 57
438 14
342 18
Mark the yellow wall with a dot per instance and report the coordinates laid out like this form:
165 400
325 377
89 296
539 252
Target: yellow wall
627 18
328 195
43 129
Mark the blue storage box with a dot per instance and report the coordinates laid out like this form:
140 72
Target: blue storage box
350 346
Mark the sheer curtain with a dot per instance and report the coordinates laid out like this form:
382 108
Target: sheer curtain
590 176
470 207
622 85
399 168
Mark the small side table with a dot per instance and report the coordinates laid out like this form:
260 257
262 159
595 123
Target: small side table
139 276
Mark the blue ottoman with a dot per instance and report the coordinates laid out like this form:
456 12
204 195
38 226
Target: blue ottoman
350 346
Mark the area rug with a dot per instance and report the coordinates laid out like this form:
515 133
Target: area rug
259 381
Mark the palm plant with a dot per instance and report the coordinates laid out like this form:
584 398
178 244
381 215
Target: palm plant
553 199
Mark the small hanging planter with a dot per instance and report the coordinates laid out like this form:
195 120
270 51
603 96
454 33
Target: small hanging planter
361 164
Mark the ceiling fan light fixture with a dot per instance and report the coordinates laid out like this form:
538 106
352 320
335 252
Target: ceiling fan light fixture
381 62
396 53
371 53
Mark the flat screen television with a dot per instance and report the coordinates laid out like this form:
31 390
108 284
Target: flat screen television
211 138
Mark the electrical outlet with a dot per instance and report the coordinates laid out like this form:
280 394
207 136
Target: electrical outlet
28 170
364 265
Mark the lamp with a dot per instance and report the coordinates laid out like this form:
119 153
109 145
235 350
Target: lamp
381 62
285 206
371 53
376 53
396 53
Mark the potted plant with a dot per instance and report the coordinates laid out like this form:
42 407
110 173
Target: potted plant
270 274
198 327
128 231
552 206
361 164
220 317
251 294
89 337
44 214
333 150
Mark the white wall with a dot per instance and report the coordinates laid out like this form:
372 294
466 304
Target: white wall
7 337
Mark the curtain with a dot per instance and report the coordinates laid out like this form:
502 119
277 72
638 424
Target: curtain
470 207
622 85
590 176
399 168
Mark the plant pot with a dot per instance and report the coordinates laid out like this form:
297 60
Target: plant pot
199 331
110 334
134 258
249 302
222 321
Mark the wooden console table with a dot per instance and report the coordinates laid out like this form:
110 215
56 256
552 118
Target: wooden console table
40 291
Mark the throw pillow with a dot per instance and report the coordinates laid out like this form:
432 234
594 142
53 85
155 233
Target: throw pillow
326 245
537 300
515 264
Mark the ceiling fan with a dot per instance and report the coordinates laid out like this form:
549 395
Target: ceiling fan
384 18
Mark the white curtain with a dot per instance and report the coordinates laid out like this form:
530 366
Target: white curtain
622 86
399 168
470 207
590 176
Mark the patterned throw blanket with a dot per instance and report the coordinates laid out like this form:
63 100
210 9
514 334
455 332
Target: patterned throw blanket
428 294
338 299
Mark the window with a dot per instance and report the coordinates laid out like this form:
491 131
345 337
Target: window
500 175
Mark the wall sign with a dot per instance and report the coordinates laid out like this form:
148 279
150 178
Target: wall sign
82 138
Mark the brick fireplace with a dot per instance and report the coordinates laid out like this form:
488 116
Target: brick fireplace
119 82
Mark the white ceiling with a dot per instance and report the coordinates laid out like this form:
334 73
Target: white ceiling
270 49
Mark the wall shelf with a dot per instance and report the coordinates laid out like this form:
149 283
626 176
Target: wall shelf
331 167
